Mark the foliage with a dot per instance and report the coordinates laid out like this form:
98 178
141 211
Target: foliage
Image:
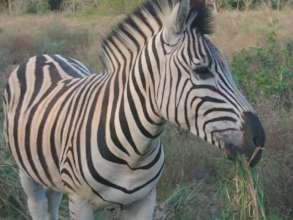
266 71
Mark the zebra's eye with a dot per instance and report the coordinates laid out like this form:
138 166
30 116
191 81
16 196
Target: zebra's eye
203 72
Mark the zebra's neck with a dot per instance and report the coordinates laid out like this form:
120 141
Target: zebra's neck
133 116
132 62
134 100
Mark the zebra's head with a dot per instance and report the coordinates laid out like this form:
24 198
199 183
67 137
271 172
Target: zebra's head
196 90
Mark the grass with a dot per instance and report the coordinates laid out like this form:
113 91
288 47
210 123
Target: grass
243 193
197 182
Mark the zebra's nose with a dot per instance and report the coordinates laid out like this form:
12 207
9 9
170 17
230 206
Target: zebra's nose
254 137
253 130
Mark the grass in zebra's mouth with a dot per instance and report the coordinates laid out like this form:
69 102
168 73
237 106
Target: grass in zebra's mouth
243 192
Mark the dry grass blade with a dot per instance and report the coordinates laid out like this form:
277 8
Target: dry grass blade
255 153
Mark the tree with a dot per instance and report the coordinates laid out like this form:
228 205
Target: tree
55 4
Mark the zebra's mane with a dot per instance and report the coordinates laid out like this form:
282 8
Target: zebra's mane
147 20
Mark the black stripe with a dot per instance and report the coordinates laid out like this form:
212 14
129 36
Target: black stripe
135 27
154 110
22 80
220 110
66 67
143 19
39 77
67 185
126 130
150 65
141 72
152 163
136 117
221 119
79 66
153 12
8 93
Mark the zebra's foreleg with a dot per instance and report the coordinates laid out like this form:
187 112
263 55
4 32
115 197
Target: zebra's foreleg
80 209
36 198
54 200
142 210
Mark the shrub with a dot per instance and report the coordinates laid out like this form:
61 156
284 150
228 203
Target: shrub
266 71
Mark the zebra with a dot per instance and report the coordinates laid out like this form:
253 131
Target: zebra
96 137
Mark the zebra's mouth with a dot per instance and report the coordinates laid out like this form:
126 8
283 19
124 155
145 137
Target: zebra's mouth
252 154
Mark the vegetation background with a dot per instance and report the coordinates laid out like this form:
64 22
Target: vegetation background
120 6
257 38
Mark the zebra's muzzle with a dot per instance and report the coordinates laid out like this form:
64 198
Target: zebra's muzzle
252 140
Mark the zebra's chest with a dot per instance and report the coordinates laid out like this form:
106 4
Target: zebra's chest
103 182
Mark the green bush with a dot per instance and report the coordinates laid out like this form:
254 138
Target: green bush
266 71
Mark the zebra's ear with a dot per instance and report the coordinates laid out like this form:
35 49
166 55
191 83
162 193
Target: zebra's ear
177 19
